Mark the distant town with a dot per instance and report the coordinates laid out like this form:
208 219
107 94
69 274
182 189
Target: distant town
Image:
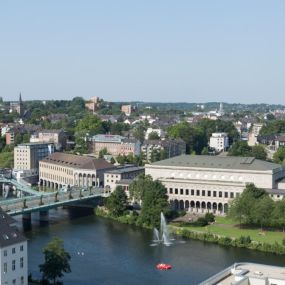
205 160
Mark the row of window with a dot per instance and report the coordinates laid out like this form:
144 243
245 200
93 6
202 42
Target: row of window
57 168
13 267
14 281
13 250
204 193
58 178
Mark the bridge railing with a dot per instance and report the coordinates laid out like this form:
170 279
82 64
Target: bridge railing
19 205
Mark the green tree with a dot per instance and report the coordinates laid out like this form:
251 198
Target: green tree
241 208
278 214
262 211
56 260
259 152
240 148
279 155
103 152
153 136
117 202
154 201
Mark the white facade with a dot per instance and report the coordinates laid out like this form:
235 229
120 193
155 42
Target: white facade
209 183
14 264
159 132
219 141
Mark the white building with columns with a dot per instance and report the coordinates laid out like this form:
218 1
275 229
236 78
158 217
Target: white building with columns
61 169
203 183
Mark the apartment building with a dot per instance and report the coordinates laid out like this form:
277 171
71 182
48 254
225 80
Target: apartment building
56 137
151 149
126 109
114 144
13 253
28 155
116 177
219 141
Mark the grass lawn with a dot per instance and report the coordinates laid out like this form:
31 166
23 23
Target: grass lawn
227 227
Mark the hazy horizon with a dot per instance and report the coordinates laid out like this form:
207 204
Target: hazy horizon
151 51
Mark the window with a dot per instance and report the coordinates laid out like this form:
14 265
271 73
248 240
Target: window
232 195
13 250
176 191
198 192
215 193
181 191
226 194
170 190
237 194
209 193
22 262
220 194
192 192
203 192
13 265
187 191
5 268
22 280
5 252
14 282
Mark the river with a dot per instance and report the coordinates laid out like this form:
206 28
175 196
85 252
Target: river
104 252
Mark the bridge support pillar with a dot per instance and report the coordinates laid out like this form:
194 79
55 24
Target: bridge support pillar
44 217
27 221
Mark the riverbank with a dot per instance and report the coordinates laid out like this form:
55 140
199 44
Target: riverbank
226 232
223 232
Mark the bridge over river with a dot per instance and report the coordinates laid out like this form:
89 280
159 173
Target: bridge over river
36 201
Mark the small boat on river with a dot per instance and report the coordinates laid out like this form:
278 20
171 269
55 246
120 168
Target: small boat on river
163 266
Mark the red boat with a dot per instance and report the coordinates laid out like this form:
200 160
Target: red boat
163 266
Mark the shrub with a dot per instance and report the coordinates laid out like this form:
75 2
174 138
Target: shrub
210 217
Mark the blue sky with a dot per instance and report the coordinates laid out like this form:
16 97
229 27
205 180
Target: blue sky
148 50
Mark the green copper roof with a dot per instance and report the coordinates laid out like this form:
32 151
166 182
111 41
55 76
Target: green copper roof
222 162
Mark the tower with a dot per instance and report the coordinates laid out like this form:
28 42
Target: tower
20 108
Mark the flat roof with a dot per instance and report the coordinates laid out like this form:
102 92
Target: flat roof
220 162
125 170
254 272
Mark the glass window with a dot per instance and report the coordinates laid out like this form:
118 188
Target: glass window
22 262
13 265
176 191
170 190
198 192
14 281
209 193
232 195
203 192
187 191
215 193
226 194
220 194
13 250
192 192
181 191
22 280
5 252
5 268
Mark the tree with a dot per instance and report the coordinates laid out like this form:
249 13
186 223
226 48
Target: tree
153 136
279 155
240 148
262 210
259 152
242 207
117 202
153 198
278 214
56 260
103 152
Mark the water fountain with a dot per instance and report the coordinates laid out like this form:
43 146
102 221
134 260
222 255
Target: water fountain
162 235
